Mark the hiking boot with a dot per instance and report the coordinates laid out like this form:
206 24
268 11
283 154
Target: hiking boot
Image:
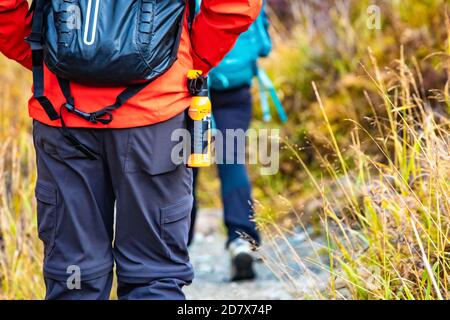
241 260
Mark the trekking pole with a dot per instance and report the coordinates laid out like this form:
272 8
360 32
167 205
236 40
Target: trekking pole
266 85
267 116
200 120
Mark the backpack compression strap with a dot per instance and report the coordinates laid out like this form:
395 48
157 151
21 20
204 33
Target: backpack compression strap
104 115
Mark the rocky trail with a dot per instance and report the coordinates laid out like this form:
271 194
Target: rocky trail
212 268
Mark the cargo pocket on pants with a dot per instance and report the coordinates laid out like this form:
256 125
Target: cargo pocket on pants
175 224
46 198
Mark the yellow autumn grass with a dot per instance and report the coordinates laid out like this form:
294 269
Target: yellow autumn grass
387 217
20 249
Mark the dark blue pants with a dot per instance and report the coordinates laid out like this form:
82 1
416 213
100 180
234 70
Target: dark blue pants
232 109
130 207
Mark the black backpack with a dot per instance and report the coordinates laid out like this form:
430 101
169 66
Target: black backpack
103 43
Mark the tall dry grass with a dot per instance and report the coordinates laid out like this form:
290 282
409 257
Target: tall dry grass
377 153
20 250
386 218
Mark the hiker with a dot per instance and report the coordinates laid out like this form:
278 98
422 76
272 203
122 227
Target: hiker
110 87
230 91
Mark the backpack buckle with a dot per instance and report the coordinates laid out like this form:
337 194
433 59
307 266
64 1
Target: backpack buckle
87 116
104 117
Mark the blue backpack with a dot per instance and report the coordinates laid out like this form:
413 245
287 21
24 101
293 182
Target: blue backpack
240 66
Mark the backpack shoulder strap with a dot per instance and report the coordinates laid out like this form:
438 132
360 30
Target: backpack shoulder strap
35 41
32 8
192 12
37 52
262 25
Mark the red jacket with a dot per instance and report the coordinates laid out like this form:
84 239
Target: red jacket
215 30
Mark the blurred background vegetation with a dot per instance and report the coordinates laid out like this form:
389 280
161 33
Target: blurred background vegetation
365 157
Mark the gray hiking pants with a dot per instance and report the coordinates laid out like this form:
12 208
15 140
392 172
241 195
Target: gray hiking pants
130 207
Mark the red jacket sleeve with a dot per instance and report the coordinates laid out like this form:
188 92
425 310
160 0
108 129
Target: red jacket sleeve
14 27
217 27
